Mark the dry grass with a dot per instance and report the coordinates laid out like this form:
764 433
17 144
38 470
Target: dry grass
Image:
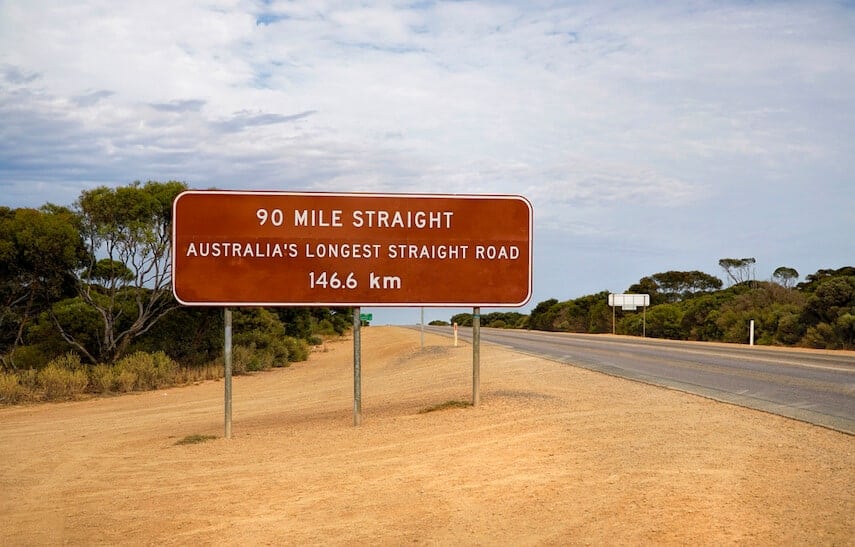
195 439
66 378
445 406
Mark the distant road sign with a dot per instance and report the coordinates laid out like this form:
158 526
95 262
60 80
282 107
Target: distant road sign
319 249
366 316
629 301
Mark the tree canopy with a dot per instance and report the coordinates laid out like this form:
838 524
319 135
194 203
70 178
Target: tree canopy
95 278
40 249
785 276
127 280
819 312
674 286
738 270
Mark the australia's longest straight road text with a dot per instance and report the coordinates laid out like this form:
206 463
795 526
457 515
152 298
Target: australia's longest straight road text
317 249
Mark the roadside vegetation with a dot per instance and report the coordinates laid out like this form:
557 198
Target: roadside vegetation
86 305
816 313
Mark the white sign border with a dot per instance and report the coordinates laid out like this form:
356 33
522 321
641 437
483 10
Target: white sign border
512 197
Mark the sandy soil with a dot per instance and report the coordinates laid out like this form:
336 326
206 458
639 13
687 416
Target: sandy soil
552 455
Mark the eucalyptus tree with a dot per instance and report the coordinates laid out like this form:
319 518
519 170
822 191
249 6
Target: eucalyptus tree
785 276
675 286
737 269
128 277
40 249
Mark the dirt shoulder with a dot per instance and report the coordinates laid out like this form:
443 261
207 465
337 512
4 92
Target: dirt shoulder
552 455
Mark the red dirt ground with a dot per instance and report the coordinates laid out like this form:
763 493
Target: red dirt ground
552 455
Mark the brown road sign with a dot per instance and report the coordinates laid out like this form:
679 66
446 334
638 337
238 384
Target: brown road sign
324 249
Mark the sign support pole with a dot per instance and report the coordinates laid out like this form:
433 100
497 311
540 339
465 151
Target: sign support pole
476 356
227 373
644 321
357 364
613 318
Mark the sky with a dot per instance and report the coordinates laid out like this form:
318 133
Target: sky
649 136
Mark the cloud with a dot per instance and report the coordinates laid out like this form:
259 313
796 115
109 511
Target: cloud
608 116
189 105
91 98
17 76
243 120
267 18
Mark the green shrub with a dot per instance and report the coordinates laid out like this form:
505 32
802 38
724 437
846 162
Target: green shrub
29 379
28 357
11 390
262 359
790 329
67 361
141 366
315 340
240 357
663 321
211 371
102 378
60 383
243 359
166 369
152 370
326 328
262 331
844 328
124 380
298 350
193 336
734 325
820 336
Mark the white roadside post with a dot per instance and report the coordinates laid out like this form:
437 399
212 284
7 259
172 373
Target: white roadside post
751 333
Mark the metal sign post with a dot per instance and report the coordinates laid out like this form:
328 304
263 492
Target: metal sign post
242 248
357 365
227 373
476 356
630 302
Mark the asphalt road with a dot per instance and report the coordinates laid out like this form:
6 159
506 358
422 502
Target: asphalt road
812 386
